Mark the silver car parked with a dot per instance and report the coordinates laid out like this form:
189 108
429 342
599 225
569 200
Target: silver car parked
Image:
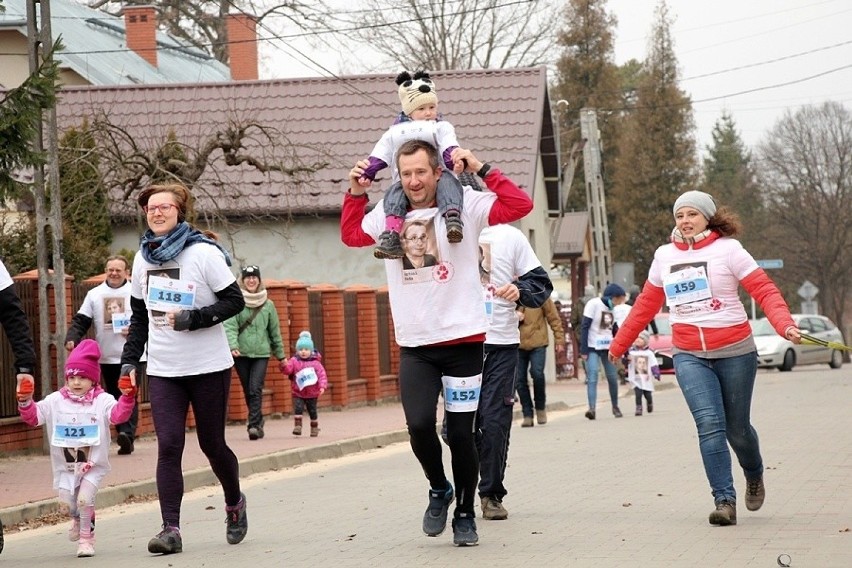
776 351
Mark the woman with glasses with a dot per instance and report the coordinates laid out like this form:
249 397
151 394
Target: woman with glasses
189 361
415 242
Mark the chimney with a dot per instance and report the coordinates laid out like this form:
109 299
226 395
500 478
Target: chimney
242 46
140 25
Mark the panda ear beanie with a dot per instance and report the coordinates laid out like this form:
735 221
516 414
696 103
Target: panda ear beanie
414 92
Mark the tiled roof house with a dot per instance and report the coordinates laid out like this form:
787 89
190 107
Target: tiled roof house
502 115
150 84
101 49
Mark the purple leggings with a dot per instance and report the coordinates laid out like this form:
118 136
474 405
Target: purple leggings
171 398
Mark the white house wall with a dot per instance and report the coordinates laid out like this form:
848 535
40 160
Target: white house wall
308 250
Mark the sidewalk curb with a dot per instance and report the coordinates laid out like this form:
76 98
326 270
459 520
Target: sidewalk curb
202 477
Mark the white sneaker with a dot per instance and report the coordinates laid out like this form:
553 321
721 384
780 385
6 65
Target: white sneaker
86 548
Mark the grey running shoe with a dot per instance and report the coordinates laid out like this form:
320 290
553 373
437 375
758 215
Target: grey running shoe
455 227
167 542
389 246
435 517
237 522
464 532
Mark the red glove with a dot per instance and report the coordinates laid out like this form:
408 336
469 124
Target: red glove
25 390
126 386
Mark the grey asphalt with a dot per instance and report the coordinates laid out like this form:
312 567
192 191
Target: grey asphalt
604 493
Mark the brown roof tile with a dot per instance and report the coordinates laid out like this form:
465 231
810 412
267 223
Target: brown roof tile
503 115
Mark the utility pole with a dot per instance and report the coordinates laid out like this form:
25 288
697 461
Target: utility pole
48 205
601 266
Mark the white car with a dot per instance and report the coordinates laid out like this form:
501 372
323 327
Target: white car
778 352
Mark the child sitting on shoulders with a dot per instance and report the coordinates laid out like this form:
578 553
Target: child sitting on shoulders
77 418
419 120
641 369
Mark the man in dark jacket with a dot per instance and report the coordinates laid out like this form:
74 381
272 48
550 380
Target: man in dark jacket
17 328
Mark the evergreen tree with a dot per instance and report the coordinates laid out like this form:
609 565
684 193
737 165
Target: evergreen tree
20 116
587 77
729 176
657 160
87 233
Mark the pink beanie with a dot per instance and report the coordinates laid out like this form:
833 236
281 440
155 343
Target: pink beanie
83 361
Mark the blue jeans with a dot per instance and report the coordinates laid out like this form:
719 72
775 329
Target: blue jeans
534 360
718 393
592 363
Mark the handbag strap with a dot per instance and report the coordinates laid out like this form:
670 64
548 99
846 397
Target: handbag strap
247 323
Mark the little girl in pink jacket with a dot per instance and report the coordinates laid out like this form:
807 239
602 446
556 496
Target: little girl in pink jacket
307 381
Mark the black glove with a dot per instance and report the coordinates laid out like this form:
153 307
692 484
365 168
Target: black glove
182 320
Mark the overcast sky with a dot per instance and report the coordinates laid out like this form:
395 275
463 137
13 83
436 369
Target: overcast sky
724 47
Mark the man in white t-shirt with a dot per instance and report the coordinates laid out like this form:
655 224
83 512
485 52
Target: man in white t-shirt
511 276
439 317
106 307
17 328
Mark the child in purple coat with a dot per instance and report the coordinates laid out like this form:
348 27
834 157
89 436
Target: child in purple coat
307 381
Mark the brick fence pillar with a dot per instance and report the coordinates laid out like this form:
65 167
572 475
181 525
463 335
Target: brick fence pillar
368 339
334 343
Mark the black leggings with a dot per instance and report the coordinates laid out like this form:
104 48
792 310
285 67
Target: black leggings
649 396
300 404
171 398
420 372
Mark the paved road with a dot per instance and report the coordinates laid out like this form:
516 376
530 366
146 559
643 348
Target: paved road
613 492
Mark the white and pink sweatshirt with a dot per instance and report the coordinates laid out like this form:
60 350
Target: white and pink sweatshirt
699 283
88 422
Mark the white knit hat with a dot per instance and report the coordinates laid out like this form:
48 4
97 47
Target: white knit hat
414 92
702 202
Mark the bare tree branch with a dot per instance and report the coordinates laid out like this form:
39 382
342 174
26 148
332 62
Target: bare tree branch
460 34
806 166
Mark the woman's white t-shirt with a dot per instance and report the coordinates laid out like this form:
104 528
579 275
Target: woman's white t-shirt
182 353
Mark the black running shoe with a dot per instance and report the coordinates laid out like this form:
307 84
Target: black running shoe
435 517
464 532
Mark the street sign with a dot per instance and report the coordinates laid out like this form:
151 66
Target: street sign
808 290
810 307
771 263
